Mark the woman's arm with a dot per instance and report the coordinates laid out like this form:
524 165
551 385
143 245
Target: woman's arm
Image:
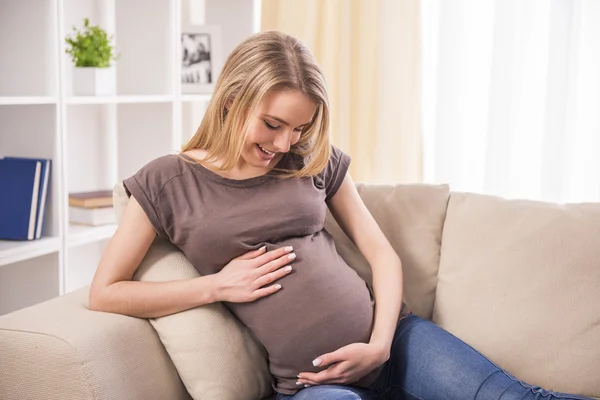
355 219
244 279
112 289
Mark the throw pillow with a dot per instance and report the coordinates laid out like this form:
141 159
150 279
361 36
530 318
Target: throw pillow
216 356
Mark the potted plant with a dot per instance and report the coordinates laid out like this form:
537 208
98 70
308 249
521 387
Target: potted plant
92 53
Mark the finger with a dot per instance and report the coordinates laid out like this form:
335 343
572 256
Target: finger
329 358
258 293
308 383
302 380
253 254
334 372
324 378
272 277
319 378
273 255
305 382
275 264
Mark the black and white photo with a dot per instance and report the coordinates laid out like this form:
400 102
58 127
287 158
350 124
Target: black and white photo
200 50
195 62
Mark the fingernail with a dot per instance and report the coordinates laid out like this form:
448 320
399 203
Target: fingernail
288 248
298 376
288 268
292 256
298 383
278 286
317 362
262 248
306 385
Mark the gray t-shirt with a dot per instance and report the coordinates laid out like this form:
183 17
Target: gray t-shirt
323 304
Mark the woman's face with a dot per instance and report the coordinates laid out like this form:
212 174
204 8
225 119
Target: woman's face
276 126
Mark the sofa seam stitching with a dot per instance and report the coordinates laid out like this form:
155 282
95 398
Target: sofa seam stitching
437 283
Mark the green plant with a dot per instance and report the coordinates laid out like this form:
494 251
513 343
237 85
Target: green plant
91 47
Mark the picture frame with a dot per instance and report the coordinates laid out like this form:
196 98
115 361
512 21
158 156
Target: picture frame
201 58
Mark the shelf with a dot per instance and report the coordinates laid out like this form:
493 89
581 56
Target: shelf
15 251
24 100
95 141
84 234
119 99
196 97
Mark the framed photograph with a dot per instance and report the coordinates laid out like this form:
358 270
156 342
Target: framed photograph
201 58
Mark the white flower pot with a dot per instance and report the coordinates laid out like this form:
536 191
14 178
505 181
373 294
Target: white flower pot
89 81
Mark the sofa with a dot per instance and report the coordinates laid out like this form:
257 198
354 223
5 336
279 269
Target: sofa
518 280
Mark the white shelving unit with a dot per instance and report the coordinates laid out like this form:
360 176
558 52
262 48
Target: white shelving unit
94 142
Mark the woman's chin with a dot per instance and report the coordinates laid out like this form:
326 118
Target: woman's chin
256 162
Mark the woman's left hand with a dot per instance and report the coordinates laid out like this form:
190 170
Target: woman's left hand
346 365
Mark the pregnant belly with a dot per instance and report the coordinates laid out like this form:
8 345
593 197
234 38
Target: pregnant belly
323 305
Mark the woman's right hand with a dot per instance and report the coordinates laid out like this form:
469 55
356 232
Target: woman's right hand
247 277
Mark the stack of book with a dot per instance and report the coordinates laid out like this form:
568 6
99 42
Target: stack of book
24 184
92 208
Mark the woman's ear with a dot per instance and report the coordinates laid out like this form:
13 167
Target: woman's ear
228 104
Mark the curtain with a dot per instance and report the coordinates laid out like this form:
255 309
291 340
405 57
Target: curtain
511 97
369 51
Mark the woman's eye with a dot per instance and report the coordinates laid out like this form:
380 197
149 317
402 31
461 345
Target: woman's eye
271 126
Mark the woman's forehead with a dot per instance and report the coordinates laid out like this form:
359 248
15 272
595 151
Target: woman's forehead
291 106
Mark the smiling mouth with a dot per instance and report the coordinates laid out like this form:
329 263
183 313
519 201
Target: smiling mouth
270 153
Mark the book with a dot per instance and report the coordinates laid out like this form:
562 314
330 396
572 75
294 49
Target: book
98 198
42 193
20 183
92 216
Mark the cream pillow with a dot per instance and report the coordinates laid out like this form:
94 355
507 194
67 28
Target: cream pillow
411 216
520 281
216 356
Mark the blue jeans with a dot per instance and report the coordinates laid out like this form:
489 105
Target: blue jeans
428 363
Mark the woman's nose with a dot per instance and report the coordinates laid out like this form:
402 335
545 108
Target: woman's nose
282 141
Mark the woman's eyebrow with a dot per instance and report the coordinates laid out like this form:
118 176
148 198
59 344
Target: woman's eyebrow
280 120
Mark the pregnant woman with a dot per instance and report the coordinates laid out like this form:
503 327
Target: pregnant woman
246 201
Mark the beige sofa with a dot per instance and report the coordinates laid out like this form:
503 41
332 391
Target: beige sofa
518 280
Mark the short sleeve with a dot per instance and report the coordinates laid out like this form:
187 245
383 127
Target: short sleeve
145 185
335 171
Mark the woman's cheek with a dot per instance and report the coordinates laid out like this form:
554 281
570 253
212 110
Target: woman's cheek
296 137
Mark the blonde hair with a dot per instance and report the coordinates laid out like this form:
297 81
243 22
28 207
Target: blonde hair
264 62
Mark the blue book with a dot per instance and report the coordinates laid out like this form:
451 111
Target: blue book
20 183
42 193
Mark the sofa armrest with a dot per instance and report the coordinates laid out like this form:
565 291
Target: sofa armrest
60 349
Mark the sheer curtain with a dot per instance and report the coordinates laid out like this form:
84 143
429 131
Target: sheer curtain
370 53
511 97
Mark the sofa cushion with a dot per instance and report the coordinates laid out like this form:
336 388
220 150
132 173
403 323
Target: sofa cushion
411 216
519 281
215 355
59 349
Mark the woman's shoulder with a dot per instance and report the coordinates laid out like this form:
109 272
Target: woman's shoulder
337 155
337 158
166 165
159 171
